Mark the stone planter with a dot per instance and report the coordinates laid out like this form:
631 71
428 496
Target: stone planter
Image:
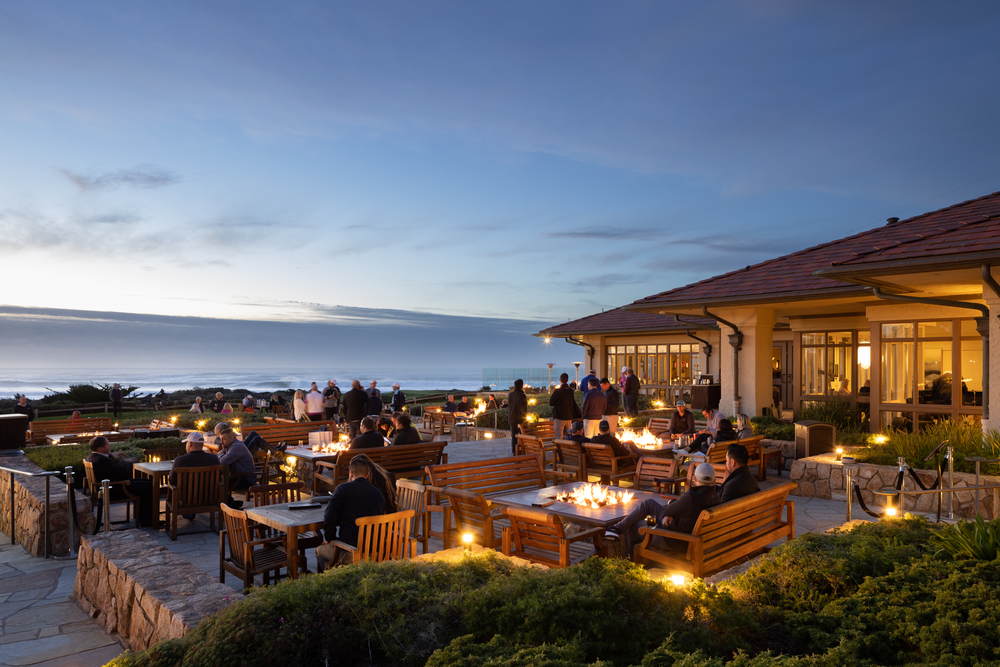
823 477
787 450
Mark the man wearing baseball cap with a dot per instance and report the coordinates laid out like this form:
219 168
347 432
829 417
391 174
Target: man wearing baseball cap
196 456
679 515
682 421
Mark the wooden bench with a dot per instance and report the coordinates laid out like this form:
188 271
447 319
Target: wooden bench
425 415
544 430
400 460
291 432
723 534
40 429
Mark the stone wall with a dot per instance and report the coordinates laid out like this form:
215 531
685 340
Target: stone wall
141 592
787 451
823 477
29 508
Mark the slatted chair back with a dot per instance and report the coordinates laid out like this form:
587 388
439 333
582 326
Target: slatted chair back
492 476
571 457
659 426
400 460
602 461
200 488
539 536
384 537
412 495
238 534
543 430
533 445
275 494
153 455
474 515
658 475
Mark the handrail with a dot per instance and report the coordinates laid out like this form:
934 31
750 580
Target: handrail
46 475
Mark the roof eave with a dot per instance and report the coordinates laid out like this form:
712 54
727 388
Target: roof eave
857 273
761 299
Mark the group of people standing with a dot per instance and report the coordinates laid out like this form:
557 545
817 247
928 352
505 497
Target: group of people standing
349 408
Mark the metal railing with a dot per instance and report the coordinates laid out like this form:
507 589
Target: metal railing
47 475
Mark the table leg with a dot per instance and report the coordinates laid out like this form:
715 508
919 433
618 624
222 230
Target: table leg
292 547
157 481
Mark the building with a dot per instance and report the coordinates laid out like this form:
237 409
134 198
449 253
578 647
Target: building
897 317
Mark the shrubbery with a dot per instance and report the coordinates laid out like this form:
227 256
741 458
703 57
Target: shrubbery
967 439
57 457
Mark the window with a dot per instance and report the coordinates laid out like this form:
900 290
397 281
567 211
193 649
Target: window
827 359
679 363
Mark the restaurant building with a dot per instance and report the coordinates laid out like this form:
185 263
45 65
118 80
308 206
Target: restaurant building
896 318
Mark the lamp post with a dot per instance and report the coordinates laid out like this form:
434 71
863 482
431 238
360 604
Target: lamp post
577 364
550 377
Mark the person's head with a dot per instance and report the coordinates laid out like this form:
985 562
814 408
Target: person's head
220 427
451 398
395 386
742 422
330 383
299 394
593 382
313 386
604 426
100 444
395 416
274 398
22 400
194 442
704 474
116 385
355 384
518 383
681 407
218 395
228 436
736 456
707 411
403 422
576 427
197 399
76 414
564 378
373 383
227 408
465 399
360 467
367 424
383 424
725 425
605 385
629 372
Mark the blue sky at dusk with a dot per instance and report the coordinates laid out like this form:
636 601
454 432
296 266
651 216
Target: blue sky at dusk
524 161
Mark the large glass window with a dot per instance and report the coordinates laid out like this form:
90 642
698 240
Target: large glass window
972 371
656 364
897 374
827 360
864 364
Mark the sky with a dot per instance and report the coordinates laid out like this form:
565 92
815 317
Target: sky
515 163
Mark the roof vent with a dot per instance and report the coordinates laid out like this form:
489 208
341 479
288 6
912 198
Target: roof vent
892 221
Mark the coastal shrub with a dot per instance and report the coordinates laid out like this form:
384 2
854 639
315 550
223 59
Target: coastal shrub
973 540
773 428
85 393
207 420
57 457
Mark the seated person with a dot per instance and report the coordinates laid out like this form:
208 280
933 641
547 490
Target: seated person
277 399
679 515
384 481
491 404
370 437
114 469
605 437
575 433
682 421
249 402
76 415
352 500
703 441
406 432
744 429
197 407
227 409
739 480
449 405
242 473
385 427
866 390
196 457
217 403
465 406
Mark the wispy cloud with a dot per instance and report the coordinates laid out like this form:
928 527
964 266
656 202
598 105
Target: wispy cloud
142 176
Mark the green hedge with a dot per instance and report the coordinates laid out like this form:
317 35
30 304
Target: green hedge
57 457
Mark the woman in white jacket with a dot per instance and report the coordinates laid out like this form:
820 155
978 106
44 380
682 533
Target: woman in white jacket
299 405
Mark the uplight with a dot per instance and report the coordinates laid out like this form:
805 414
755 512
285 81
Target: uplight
531 401
840 452
890 511
489 435
467 541
678 579
880 439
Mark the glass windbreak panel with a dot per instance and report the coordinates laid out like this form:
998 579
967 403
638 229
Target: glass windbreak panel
813 370
903 330
864 371
934 329
968 328
897 421
972 372
839 338
838 370
897 372
934 377
813 338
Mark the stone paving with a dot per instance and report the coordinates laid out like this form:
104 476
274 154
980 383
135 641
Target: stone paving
42 624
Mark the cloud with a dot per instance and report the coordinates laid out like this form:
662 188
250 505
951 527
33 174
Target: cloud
142 176
609 233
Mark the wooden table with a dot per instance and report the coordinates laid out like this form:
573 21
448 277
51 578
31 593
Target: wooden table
602 516
156 471
290 522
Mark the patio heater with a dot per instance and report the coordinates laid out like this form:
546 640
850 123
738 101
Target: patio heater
549 389
577 364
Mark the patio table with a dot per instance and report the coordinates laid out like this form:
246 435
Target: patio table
291 522
602 516
156 471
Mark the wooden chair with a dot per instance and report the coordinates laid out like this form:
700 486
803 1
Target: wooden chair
152 455
198 491
473 514
658 475
601 461
538 536
380 538
411 495
536 446
98 499
267 468
248 557
276 494
571 457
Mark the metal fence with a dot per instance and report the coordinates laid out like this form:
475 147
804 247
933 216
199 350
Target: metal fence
502 379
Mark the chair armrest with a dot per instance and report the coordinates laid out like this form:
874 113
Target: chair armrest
648 532
586 535
559 473
435 489
266 540
343 545
669 496
326 464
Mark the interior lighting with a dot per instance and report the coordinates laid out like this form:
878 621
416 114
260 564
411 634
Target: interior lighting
865 357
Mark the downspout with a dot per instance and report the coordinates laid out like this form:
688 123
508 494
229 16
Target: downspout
590 348
708 347
736 340
982 326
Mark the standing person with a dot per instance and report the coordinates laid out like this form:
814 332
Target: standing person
585 382
594 403
331 397
632 394
623 379
374 399
314 404
116 398
216 405
355 408
398 399
22 408
564 407
517 412
613 404
298 406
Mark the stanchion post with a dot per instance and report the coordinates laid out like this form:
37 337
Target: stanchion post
70 510
106 499
848 487
951 483
47 547
977 487
10 476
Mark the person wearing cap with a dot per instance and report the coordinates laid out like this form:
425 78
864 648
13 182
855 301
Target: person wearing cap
196 456
606 437
331 398
575 433
612 406
109 467
564 407
398 401
739 480
623 379
594 402
682 421
679 515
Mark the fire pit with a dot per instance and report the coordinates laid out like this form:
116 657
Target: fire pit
594 496
332 447
644 440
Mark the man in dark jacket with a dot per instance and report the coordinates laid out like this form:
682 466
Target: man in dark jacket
331 400
375 403
575 433
352 500
109 467
116 398
594 402
679 515
632 394
517 412
355 408
613 404
682 421
217 403
564 407
606 437
398 399
740 481
22 408
406 432
369 436
449 405
196 456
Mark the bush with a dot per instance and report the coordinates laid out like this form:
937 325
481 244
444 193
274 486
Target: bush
976 540
844 415
966 438
57 457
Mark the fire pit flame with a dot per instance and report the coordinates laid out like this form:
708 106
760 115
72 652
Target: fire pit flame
644 440
595 496
332 448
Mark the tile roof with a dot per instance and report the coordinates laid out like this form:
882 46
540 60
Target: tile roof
621 320
961 228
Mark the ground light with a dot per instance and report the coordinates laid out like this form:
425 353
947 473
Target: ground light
890 511
840 453
880 439
467 541
678 580
489 435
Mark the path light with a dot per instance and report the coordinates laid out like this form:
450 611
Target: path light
173 420
890 511
840 452
489 435
531 401
880 439
467 541
658 404
678 580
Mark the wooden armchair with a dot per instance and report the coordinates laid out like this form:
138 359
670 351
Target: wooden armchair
101 502
538 536
277 494
380 538
248 557
411 495
473 514
659 475
601 461
268 468
536 446
571 457
197 491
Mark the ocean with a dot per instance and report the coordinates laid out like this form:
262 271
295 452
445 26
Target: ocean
36 383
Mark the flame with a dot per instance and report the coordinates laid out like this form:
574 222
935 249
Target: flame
644 440
595 496
332 448
480 409
532 401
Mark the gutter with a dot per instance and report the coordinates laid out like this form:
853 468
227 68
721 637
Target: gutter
708 347
736 340
590 348
982 325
